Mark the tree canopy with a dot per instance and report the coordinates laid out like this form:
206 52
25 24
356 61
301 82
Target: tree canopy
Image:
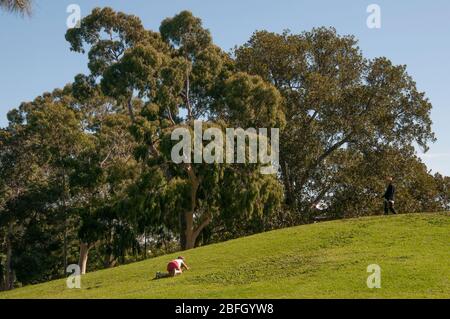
339 106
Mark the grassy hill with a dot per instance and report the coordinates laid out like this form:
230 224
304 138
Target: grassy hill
327 260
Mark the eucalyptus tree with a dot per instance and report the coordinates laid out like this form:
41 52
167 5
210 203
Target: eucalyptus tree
102 176
169 79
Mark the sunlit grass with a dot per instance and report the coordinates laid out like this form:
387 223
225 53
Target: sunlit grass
327 260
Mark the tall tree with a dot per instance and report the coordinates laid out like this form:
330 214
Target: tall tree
101 177
335 99
64 156
19 170
180 76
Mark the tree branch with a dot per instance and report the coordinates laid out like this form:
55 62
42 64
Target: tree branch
170 116
187 96
130 109
200 227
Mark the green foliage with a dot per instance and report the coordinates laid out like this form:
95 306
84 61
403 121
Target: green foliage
63 160
187 73
185 32
251 102
339 107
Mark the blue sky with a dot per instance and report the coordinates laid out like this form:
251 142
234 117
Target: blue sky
35 58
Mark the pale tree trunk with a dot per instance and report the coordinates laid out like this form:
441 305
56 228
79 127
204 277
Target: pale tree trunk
84 254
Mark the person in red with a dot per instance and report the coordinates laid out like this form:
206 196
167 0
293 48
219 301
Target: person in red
175 267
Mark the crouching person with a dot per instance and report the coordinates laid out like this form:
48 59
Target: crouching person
174 268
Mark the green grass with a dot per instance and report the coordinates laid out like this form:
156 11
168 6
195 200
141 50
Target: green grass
324 260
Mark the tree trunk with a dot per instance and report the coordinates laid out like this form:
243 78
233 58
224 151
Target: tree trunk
64 207
109 261
65 245
2 276
84 254
183 242
9 272
187 238
290 200
130 109
189 231
145 244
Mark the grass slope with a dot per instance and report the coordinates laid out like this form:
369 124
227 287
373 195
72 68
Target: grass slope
327 260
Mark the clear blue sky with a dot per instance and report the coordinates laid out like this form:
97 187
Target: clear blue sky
34 56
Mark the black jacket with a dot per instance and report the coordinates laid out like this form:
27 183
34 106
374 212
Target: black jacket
390 192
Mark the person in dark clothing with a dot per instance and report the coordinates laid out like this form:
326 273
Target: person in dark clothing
389 197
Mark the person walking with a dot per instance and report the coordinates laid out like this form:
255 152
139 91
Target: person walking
389 197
